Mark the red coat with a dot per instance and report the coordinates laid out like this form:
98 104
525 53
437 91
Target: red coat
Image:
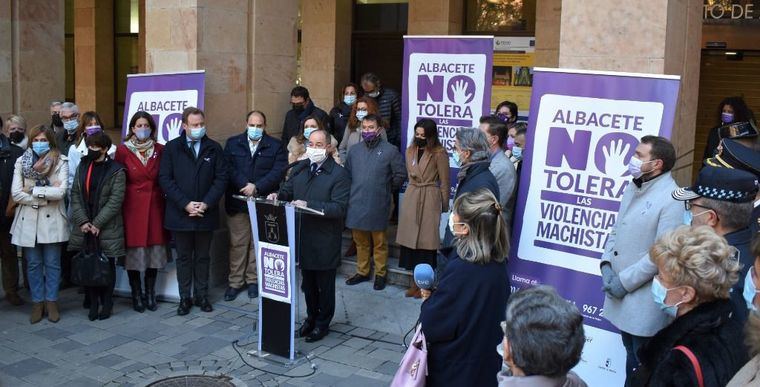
143 200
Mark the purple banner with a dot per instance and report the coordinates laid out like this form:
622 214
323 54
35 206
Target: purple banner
446 79
583 131
274 262
164 96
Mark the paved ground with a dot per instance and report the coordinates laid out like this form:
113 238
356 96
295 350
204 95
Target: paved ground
363 348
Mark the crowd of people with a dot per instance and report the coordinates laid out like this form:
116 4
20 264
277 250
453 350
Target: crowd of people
678 268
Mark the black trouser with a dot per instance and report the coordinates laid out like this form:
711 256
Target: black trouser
319 290
193 259
103 295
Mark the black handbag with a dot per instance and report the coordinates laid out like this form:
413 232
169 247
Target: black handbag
90 267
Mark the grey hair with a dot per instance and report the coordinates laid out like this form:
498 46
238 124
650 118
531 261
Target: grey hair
488 238
544 331
473 140
732 216
18 120
70 106
55 103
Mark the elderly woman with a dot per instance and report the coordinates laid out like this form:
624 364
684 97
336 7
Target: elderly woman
750 373
460 318
697 269
543 340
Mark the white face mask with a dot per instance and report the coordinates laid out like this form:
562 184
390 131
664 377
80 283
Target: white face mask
634 167
452 224
316 155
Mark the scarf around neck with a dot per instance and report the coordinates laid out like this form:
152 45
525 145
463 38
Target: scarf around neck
138 148
41 169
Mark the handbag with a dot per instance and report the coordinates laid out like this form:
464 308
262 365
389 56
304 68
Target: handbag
413 369
90 267
694 363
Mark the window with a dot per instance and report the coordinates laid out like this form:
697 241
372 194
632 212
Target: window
500 17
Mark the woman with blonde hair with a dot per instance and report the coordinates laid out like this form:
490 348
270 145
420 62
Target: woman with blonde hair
40 225
703 344
460 318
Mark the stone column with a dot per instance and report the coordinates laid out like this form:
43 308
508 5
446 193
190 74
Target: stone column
31 58
325 49
623 36
93 58
435 17
548 18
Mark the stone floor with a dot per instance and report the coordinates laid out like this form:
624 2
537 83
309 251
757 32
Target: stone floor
135 349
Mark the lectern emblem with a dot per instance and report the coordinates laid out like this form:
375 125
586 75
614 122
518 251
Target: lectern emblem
272 229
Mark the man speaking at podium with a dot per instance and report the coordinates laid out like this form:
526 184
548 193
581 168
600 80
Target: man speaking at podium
320 184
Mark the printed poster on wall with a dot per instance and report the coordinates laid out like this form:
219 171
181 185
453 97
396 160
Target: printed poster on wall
446 79
274 269
164 96
583 131
512 78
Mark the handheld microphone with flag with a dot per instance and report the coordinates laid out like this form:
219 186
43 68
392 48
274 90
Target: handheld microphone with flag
424 276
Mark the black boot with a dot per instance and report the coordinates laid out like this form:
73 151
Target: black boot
150 289
106 301
137 297
92 295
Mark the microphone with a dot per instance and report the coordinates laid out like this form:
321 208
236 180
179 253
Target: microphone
424 276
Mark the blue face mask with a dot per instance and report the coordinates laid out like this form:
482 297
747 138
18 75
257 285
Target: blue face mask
40 147
687 217
659 293
197 133
308 131
749 290
349 99
517 152
255 133
142 134
360 114
70 125
455 156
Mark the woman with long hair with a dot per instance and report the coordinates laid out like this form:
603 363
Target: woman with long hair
297 145
352 134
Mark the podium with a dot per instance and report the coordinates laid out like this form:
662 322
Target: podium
274 237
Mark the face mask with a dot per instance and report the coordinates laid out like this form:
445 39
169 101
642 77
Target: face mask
316 155
420 142
56 120
255 133
502 117
93 155
16 137
510 143
360 114
308 131
70 125
90 130
374 94
455 156
517 152
452 224
369 137
749 290
634 167
197 133
349 99
688 217
142 134
298 107
727 118
659 293
40 147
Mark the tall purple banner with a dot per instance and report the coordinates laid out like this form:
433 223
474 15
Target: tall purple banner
446 79
584 129
164 96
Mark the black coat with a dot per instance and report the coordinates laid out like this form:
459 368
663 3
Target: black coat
64 141
754 223
713 337
460 321
389 105
478 176
292 124
319 237
339 120
713 140
8 155
265 169
185 179
741 240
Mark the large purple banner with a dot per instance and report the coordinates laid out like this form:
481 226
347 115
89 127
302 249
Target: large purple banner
164 96
583 132
446 79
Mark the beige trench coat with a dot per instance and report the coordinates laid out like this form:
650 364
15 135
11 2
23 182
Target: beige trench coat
48 222
426 197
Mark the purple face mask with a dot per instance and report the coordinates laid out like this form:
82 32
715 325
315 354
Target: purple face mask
90 130
503 117
510 142
369 136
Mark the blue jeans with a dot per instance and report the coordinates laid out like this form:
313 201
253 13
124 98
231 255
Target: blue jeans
44 267
632 345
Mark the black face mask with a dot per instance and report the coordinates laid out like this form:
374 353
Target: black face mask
299 107
56 120
16 137
420 142
92 155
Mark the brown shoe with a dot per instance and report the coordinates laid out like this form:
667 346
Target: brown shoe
52 311
37 310
413 290
14 299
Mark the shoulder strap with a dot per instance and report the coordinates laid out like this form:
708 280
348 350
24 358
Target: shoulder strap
694 362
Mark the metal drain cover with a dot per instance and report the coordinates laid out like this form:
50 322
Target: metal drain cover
194 381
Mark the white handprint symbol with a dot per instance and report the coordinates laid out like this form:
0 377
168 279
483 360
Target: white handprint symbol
174 125
614 154
459 88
